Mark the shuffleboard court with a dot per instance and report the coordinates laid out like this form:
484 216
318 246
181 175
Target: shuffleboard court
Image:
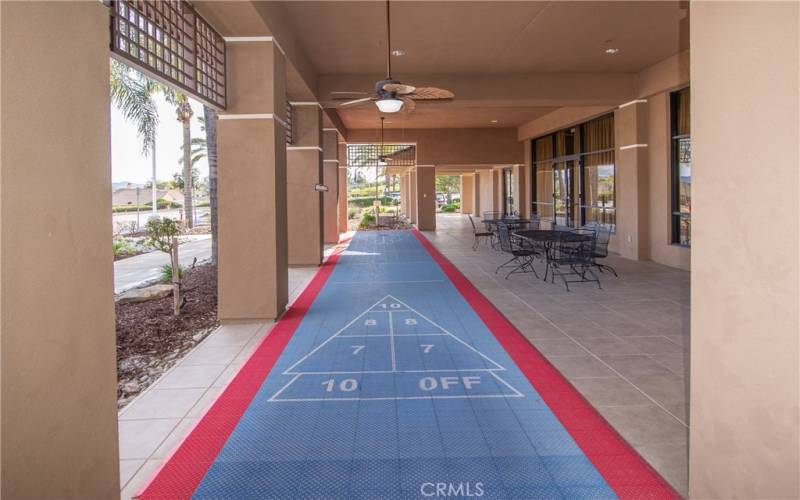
392 378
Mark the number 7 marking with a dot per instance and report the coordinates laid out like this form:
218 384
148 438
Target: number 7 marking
357 349
426 348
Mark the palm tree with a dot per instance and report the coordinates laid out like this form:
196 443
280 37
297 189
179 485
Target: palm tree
184 111
133 93
210 126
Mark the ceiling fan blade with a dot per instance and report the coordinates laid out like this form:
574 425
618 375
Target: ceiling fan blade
409 104
348 95
355 102
399 88
430 93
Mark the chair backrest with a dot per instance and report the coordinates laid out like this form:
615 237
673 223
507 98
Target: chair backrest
566 250
603 237
492 215
504 236
474 229
534 224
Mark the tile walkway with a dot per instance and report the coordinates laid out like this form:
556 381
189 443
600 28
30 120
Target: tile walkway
155 422
625 348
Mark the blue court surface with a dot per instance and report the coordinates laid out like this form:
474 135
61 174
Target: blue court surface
393 388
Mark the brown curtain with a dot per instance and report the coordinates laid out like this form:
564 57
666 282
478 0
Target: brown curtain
599 134
683 127
543 148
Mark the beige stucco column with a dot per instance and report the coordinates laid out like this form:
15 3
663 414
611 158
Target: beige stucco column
426 197
476 194
520 180
631 180
745 273
303 172
412 198
330 177
59 385
467 181
253 275
343 215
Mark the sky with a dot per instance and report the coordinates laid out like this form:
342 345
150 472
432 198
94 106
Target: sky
127 161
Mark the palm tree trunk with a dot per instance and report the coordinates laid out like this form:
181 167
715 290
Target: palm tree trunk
154 190
187 173
211 154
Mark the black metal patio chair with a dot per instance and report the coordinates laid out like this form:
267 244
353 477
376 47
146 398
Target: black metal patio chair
601 248
567 256
479 235
492 226
522 253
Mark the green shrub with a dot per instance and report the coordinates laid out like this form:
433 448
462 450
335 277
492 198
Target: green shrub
449 208
351 213
366 219
166 273
367 201
123 247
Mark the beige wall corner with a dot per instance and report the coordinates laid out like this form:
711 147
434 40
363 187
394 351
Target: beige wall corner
58 351
342 210
330 178
412 191
467 193
426 198
745 366
476 194
630 130
253 261
303 172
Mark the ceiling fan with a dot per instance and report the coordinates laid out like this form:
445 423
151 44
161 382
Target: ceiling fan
389 94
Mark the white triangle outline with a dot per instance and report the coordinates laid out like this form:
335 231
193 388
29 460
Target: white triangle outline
289 371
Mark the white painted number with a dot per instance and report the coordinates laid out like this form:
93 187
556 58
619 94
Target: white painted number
370 322
411 321
432 383
426 348
357 349
346 385
391 306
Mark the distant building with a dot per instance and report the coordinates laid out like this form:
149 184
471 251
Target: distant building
127 196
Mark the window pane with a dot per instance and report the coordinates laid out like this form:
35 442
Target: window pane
684 183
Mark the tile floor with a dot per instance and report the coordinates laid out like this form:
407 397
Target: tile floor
155 422
625 348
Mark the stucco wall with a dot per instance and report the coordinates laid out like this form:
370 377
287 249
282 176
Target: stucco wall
745 366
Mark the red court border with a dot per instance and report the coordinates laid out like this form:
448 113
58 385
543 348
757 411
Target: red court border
181 474
620 465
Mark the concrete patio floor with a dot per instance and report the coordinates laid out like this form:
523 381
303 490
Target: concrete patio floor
625 347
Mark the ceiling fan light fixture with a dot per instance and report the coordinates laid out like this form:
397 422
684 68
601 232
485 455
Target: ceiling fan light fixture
389 105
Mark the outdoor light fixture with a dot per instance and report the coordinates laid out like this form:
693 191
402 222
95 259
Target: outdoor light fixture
398 52
389 104
612 50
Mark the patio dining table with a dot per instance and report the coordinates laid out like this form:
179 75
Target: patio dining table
550 235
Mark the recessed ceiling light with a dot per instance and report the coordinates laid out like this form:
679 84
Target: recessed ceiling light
398 52
612 50
494 121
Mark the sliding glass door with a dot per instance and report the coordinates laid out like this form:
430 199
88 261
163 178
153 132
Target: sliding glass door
508 191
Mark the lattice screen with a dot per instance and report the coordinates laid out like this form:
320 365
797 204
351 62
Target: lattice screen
395 155
170 40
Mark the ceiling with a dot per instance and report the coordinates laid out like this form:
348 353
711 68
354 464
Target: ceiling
459 39
444 115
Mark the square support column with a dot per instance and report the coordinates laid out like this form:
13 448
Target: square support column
476 194
343 191
426 198
520 180
330 177
251 147
58 350
467 193
745 369
632 163
412 191
303 173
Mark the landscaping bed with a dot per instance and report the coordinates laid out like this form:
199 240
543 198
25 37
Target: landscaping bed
150 339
